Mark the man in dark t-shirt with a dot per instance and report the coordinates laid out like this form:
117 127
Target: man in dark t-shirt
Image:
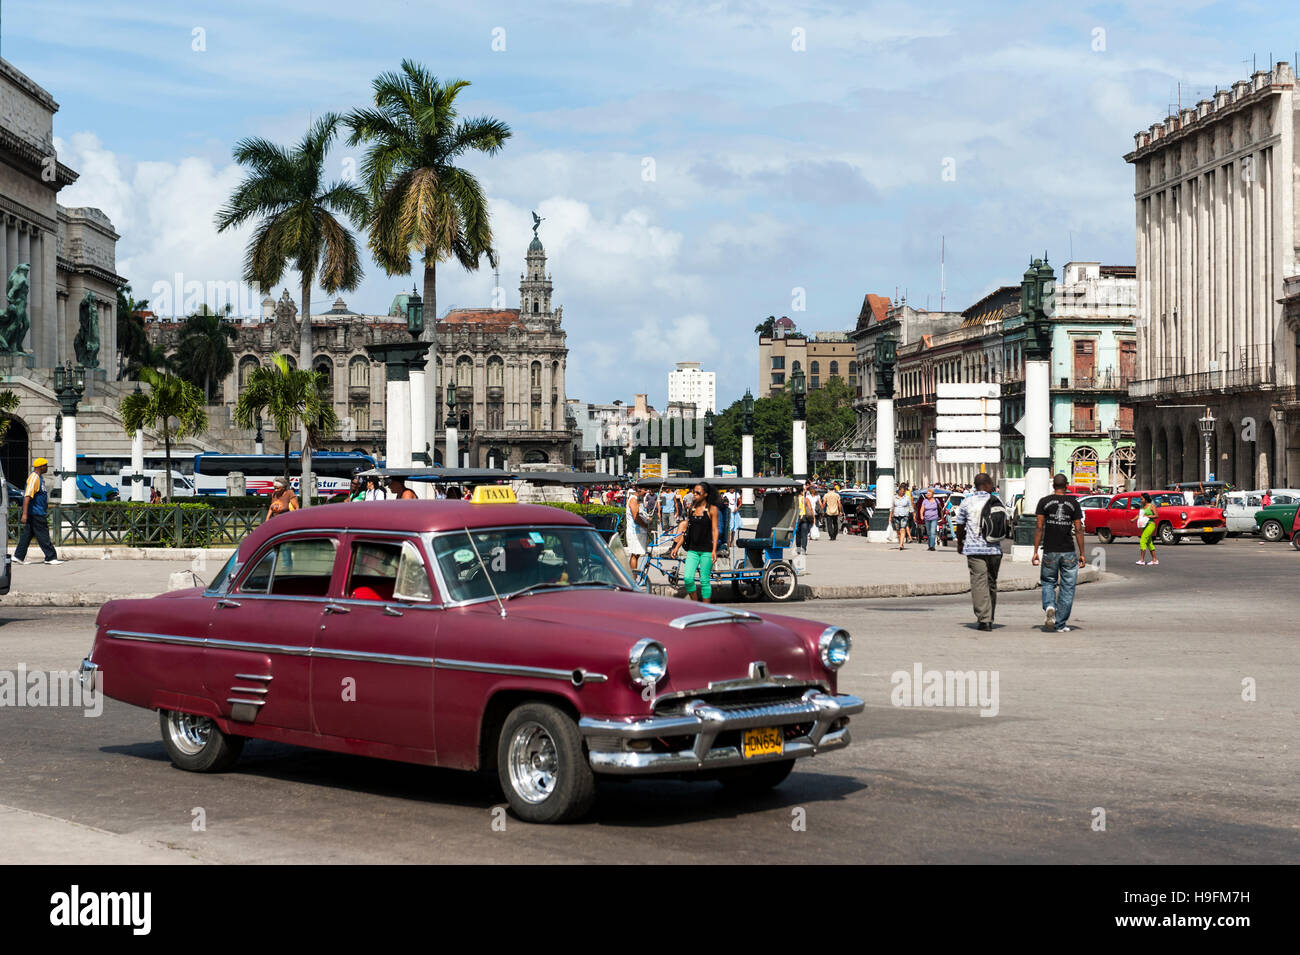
1059 515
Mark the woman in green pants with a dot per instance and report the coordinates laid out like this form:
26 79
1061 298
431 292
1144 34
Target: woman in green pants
1147 541
700 541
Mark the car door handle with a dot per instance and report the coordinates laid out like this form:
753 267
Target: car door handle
336 608
228 603
392 612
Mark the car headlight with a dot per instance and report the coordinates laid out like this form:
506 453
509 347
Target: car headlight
834 645
647 663
1182 516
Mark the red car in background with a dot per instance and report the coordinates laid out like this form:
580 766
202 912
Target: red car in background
1175 518
477 635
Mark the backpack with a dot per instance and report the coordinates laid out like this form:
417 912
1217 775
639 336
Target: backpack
995 522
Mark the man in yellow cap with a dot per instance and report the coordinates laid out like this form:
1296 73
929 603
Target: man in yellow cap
35 524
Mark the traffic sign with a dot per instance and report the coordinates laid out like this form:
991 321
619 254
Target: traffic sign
967 455
968 439
947 406
973 422
968 389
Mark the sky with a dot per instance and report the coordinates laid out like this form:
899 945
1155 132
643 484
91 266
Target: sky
699 165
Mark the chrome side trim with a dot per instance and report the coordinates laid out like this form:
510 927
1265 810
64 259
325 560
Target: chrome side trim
363 656
156 637
246 702
721 615
248 689
509 670
252 676
285 650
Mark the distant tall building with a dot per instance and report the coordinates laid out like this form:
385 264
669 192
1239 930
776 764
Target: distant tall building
689 385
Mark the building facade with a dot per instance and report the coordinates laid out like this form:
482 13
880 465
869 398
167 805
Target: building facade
688 384
821 356
1216 189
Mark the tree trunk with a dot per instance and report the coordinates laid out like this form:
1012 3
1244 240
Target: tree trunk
432 397
304 491
304 327
167 456
286 459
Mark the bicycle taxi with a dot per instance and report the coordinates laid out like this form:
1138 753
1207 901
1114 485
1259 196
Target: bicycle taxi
758 563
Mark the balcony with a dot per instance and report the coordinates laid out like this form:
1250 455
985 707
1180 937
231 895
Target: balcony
1106 381
1085 426
912 401
1242 378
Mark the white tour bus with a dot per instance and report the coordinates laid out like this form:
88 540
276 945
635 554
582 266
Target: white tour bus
333 470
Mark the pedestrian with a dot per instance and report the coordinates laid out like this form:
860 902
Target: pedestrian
901 513
454 493
283 500
398 490
930 514
834 510
983 557
1063 554
733 515
155 495
35 519
1147 520
374 489
1268 498
637 523
700 541
806 516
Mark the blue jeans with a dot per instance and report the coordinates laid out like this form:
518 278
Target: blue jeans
801 530
1057 574
931 532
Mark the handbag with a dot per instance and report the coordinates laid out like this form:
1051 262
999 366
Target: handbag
1143 519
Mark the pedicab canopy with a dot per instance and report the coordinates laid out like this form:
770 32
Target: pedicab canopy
770 483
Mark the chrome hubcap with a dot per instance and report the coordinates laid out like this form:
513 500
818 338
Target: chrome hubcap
533 763
189 733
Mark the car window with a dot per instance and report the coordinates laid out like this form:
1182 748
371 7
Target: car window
1284 499
412 575
1119 504
295 568
515 558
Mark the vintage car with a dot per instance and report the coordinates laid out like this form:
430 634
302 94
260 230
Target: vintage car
1175 518
1275 522
480 636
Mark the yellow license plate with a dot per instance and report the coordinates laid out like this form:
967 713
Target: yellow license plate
767 741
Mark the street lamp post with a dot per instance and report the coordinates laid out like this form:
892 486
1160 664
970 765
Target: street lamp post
450 456
1037 303
708 445
1207 424
137 460
1115 434
930 443
747 452
886 357
799 450
69 386
419 382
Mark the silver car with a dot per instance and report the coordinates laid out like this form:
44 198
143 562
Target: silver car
1239 507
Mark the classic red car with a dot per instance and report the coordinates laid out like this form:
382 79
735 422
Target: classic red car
497 636
1175 518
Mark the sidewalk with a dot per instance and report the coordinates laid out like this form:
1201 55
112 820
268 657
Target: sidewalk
91 583
851 568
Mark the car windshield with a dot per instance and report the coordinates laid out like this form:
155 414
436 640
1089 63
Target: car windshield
514 559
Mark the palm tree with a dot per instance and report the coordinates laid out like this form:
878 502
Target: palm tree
293 400
203 350
420 200
168 397
298 214
8 405
133 347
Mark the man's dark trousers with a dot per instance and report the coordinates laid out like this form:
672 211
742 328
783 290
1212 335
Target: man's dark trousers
984 584
37 526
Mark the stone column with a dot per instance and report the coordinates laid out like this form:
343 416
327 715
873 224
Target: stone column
663 464
69 464
397 358
885 464
747 467
419 405
799 449
4 250
137 465
36 289
708 462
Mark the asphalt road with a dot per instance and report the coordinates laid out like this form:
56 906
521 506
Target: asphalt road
1139 713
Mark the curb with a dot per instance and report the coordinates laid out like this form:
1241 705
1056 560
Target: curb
80 599
89 552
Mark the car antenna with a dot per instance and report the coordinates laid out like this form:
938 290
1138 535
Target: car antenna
486 572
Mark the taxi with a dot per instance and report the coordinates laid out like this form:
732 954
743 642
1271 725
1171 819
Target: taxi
477 635
1175 518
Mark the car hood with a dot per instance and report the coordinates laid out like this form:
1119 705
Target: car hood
606 620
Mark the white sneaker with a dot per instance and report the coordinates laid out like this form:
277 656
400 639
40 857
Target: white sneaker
1050 621
54 561
19 560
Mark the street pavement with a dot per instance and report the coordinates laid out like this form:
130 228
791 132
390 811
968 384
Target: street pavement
1137 713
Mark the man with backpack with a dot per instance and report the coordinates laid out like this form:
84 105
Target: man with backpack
982 523
1059 531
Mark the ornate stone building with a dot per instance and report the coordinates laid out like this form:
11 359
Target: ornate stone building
508 366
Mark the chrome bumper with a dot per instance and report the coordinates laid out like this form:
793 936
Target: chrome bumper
89 674
613 744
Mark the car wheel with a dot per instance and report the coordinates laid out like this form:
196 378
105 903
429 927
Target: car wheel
544 773
753 779
780 581
194 743
1105 535
1272 531
1213 538
747 589
1295 541
1165 532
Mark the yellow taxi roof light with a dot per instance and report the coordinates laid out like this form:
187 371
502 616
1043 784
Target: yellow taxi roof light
493 494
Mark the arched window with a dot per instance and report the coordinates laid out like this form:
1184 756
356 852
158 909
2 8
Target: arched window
247 365
535 375
464 372
536 308
835 368
815 368
534 457
324 365
359 372
496 372
794 367
853 368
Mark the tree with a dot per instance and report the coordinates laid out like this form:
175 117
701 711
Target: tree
830 412
8 405
420 200
168 398
766 328
293 401
773 431
203 352
133 348
298 216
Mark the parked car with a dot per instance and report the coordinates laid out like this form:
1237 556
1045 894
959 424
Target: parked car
1175 519
1240 507
1095 500
1276 521
477 636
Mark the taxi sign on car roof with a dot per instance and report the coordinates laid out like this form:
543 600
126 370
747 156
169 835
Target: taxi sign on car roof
493 494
